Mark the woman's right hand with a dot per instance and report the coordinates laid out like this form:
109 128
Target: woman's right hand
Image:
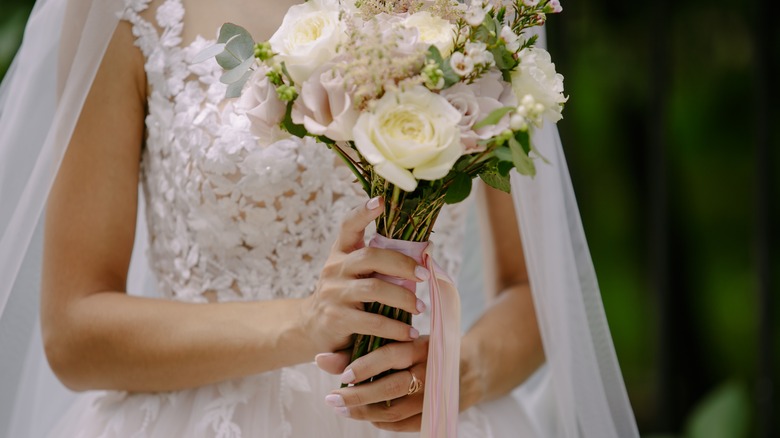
335 311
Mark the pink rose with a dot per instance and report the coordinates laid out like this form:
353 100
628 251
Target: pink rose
474 102
324 106
262 105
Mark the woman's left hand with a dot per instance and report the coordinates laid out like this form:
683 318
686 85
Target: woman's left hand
368 401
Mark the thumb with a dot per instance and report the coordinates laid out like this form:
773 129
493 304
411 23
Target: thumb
332 363
353 226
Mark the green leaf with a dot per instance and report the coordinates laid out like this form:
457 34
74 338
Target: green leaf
208 52
494 117
238 48
229 30
525 141
494 179
234 89
291 127
237 73
523 163
725 413
504 154
504 167
459 189
503 58
450 77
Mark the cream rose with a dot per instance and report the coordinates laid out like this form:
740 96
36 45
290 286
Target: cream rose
410 135
536 76
324 106
309 36
433 31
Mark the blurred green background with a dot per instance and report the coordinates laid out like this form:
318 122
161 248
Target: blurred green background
671 138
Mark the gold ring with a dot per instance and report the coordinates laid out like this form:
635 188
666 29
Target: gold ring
415 385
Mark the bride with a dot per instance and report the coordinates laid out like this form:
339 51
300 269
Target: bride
257 251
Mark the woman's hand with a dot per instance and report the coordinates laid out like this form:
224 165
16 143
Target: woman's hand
335 311
368 401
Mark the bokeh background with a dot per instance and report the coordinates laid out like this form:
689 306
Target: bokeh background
671 134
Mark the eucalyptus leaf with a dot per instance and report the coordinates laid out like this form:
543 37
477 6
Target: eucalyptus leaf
234 89
208 52
459 189
494 117
238 49
230 30
237 72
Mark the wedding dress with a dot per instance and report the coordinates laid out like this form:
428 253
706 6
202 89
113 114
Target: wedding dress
231 217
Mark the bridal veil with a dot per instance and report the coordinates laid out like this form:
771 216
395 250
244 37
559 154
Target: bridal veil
40 101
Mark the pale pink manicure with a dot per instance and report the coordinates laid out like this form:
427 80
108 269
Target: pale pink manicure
413 333
334 400
348 376
420 306
344 412
372 203
421 273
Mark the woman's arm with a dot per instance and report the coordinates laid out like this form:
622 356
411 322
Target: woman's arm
96 336
503 348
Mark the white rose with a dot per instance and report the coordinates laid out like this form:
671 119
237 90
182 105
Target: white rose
410 135
309 36
262 105
434 31
324 106
536 76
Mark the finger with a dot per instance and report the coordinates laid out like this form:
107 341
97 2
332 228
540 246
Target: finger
411 424
394 356
354 224
333 363
366 261
368 290
399 410
372 324
390 387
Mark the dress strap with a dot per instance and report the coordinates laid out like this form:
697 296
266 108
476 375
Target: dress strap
158 39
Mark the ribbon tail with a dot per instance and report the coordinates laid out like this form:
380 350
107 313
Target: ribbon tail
442 377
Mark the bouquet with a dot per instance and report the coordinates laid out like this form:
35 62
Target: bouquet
417 97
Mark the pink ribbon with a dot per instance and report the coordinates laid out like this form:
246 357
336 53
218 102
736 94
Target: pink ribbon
442 376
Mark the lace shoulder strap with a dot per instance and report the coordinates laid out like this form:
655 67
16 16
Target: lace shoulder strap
159 38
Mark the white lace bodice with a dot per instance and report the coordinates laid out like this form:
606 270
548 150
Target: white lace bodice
230 216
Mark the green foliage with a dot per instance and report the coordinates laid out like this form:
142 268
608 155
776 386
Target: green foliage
494 117
450 77
459 189
724 413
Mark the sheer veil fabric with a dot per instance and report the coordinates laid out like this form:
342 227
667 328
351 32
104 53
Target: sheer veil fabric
40 101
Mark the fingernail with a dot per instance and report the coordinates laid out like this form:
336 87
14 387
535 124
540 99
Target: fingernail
373 203
420 306
344 412
413 333
421 273
322 356
334 400
348 376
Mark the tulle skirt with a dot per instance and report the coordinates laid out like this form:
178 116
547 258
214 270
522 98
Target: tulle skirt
286 403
